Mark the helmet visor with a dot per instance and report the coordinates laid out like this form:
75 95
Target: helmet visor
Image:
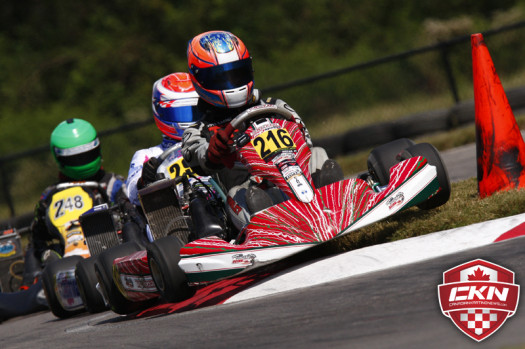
225 76
169 112
80 155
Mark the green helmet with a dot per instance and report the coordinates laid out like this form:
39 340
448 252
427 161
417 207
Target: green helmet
76 148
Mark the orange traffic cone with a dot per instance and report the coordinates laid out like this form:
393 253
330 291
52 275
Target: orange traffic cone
500 148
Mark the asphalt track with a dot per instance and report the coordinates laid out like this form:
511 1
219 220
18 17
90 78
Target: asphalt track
391 308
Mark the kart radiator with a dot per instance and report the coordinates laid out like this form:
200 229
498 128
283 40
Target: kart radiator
161 206
99 230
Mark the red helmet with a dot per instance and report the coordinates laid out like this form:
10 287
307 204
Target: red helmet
221 69
174 103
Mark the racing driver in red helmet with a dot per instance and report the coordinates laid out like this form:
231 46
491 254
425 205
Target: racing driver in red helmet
221 71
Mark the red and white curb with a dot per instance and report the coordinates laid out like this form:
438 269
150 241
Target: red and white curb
388 255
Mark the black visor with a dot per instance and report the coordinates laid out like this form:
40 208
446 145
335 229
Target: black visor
225 76
80 159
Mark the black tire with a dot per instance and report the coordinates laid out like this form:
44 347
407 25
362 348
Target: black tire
104 271
48 284
170 279
383 157
429 152
87 282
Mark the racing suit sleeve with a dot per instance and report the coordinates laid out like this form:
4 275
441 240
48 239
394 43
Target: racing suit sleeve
135 170
134 174
195 150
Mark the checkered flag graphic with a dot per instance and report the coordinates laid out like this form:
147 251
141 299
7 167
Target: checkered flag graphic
479 320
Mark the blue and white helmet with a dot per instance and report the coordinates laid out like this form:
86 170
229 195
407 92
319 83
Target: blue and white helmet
174 103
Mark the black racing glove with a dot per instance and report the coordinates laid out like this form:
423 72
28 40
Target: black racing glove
149 171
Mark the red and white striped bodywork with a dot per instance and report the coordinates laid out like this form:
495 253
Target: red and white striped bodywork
294 225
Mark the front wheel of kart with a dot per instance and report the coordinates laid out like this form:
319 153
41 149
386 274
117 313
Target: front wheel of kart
383 157
104 272
163 260
49 283
429 152
87 282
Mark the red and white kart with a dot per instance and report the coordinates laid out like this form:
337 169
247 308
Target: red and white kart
271 145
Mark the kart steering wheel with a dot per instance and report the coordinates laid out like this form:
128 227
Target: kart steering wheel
240 121
162 158
84 184
167 153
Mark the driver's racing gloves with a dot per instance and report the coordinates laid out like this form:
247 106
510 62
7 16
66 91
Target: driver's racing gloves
149 171
218 150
